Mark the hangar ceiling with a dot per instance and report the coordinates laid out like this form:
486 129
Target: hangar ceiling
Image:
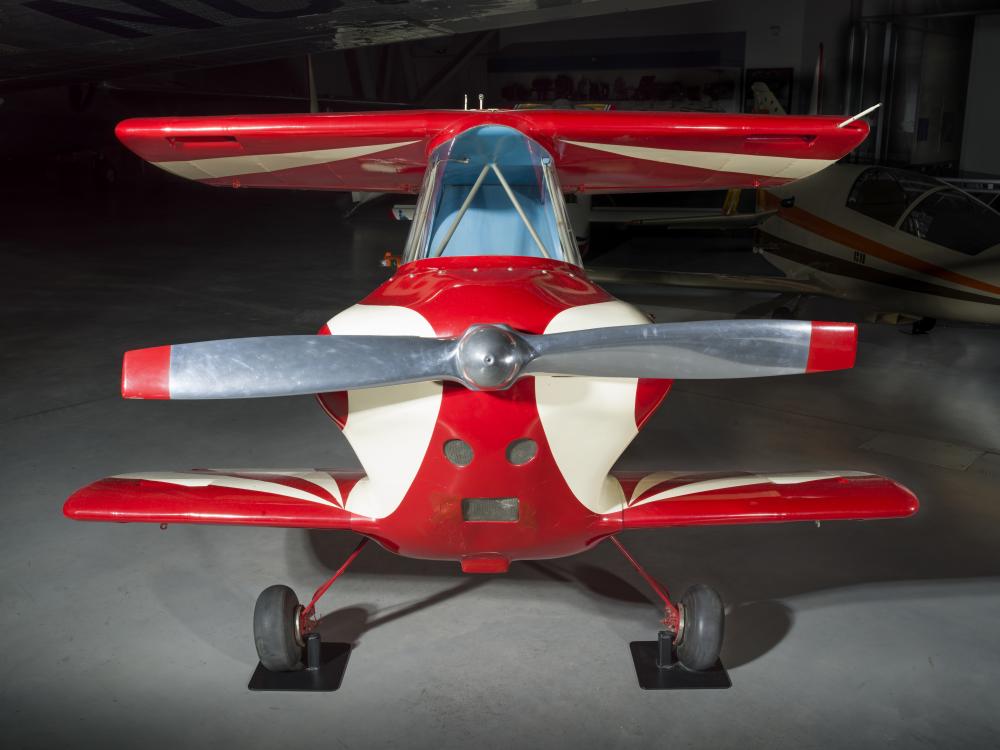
62 40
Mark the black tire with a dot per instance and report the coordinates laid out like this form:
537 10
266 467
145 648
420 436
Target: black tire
274 629
704 622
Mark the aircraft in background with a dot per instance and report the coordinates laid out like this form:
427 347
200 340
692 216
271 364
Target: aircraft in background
914 247
907 242
489 387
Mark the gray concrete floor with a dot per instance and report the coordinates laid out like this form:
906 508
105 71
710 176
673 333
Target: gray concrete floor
863 635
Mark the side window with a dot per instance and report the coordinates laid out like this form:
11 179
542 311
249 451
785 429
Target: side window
955 220
876 193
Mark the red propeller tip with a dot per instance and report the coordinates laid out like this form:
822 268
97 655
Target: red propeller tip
832 346
146 373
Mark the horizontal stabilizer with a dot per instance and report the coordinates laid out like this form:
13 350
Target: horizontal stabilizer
287 498
677 499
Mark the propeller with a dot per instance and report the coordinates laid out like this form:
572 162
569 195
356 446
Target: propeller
485 357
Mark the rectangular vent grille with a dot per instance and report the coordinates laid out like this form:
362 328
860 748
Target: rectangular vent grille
504 509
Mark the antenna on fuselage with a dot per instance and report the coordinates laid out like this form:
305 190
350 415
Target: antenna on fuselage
465 102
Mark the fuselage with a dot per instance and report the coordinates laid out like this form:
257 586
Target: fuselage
531 476
902 242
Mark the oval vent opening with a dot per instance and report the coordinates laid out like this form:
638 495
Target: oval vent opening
458 452
521 451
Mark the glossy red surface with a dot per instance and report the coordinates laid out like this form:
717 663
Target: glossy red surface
524 293
146 373
415 134
417 500
451 294
128 500
841 498
832 346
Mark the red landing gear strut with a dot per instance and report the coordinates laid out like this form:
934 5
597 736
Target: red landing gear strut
307 614
692 636
671 614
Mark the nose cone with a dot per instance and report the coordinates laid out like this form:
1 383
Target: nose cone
489 357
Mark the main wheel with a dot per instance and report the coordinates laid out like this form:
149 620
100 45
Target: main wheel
275 629
703 619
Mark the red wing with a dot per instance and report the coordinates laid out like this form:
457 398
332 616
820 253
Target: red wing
594 151
676 499
299 498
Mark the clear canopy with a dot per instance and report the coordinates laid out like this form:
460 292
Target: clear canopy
926 208
491 190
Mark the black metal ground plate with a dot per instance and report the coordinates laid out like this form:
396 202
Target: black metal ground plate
657 668
323 671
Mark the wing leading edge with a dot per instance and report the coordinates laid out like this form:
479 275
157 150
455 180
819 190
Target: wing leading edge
286 498
594 152
668 499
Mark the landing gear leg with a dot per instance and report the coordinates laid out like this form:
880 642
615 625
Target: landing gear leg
686 652
292 656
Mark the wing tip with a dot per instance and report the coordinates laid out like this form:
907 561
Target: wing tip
909 504
76 507
832 346
146 373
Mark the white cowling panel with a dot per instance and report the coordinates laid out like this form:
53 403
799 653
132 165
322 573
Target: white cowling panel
588 422
390 428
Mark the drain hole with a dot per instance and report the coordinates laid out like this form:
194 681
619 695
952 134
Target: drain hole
521 451
458 452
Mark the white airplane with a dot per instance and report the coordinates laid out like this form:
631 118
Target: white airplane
906 242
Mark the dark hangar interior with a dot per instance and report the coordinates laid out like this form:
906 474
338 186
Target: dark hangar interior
873 634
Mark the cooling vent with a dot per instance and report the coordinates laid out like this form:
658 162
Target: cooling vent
504 509
458 452
521 451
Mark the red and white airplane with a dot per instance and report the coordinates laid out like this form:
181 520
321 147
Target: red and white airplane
489 387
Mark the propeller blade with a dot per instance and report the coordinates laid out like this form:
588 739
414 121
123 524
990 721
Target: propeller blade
696 350
284 366
485 357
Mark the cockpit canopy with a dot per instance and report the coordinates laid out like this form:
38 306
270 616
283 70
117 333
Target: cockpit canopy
491 190
927 208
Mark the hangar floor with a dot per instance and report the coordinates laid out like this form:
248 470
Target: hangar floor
879 634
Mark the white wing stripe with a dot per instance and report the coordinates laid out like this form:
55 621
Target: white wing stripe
718 161
724 483
319 478
196 479
651 480
233 166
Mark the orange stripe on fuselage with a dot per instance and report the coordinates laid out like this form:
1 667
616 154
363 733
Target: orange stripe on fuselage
802 218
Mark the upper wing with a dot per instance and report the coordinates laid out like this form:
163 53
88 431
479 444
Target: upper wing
594 151
294 498
678 499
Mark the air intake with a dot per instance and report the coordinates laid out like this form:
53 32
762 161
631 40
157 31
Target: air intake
502 509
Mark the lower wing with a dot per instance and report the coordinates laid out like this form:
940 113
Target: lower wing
678 499
287 498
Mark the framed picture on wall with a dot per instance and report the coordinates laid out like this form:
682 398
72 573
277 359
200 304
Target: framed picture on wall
764 88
